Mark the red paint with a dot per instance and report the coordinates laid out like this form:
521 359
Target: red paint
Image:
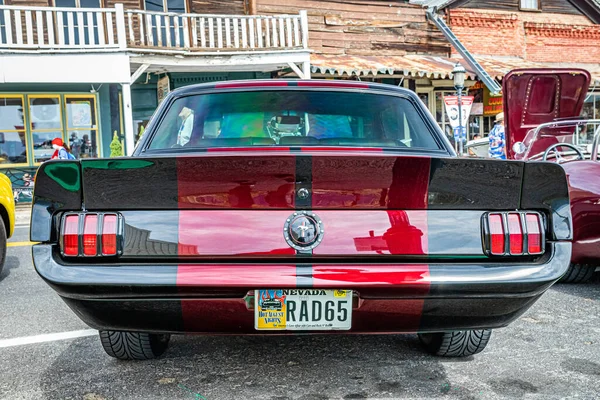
401 313
248 276
259 233
530 99
250 84
584 191
415 276
236 182
231 316
370 182
363 232
333 84
341 149
233 233
247 149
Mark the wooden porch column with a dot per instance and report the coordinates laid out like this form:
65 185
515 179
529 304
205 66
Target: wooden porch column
306 69
252 7
128 117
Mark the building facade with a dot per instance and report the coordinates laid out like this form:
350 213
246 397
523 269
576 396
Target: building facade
87 70
509 34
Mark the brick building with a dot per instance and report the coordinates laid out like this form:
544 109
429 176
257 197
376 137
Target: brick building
507 34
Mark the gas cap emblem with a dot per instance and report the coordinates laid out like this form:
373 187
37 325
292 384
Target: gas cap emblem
303 230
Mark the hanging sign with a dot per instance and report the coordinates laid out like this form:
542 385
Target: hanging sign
492 105
451 103
163 88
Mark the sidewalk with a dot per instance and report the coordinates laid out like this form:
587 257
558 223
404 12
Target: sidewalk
23 214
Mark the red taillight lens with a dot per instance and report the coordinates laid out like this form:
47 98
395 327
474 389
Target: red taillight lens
109 235
515 234
71 236
496 234
90 235
534 233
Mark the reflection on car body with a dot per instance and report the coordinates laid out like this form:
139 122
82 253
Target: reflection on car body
364 210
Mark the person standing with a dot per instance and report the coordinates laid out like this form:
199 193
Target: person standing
498 139
61 151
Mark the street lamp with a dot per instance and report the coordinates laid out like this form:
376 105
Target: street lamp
459 74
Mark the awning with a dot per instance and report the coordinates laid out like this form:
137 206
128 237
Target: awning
432 67
418 66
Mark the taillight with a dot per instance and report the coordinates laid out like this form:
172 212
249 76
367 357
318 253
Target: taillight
109 235
534 234
90 235
496 234
71 236
523 231
98 235
515 234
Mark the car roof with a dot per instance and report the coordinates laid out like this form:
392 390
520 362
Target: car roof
253 84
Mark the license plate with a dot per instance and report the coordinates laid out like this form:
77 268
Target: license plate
302 309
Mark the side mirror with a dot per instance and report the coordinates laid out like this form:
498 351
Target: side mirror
2 141
519 148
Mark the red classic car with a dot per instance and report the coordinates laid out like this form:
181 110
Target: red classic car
542 111
278 207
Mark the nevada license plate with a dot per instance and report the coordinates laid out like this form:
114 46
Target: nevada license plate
302 309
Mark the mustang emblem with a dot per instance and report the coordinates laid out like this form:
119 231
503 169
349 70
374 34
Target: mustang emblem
303 230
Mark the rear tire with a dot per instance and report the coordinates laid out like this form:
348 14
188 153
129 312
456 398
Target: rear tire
2 245
456 343
134 345
578 273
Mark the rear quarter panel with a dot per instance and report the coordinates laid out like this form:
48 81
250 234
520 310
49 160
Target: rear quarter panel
584 190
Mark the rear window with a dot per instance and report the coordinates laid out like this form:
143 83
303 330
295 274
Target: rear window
289 118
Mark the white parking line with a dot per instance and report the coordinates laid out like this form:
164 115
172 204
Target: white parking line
49 337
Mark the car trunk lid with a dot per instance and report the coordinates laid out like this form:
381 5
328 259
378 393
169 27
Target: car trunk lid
536 96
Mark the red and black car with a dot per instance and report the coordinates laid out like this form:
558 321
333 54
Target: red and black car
274 207
544 123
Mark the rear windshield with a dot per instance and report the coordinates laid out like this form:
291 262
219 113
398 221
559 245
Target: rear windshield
289 118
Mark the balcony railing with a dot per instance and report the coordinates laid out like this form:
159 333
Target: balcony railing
93 29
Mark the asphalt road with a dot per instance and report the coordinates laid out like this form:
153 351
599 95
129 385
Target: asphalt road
552 352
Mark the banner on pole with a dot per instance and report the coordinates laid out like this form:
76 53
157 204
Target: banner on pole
451 103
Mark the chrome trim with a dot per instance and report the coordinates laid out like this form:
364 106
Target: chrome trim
81 225
486 233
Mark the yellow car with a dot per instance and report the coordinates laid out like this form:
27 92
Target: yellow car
7 212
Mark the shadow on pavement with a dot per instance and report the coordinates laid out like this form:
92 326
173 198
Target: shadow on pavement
11 262
589 290
247 367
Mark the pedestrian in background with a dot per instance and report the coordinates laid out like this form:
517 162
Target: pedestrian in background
62 151
498 139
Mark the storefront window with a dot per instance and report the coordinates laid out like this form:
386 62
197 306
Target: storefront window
13 143
82 126
46 124
31 122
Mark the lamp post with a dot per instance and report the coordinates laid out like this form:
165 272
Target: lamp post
459 73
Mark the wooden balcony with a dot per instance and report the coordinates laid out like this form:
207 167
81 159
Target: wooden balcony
69 30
